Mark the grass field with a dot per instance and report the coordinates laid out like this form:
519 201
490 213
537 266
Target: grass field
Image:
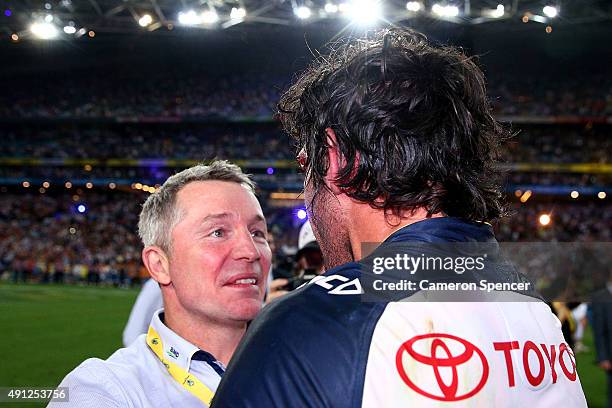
46 331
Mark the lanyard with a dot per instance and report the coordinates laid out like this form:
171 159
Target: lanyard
188 381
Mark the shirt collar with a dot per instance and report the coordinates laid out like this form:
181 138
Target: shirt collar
444 229
176 349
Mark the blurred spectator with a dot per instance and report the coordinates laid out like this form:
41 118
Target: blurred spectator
149 300
602 331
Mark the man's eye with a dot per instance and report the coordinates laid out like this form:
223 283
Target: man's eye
218 233
259 234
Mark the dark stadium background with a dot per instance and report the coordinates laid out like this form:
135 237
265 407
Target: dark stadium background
125 108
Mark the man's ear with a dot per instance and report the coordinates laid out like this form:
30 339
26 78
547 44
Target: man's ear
335 159
156 262
336 162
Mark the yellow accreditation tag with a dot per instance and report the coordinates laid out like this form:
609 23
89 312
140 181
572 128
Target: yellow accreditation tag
188 381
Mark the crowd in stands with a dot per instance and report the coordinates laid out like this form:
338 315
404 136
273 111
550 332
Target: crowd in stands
196 143
45 237
558 179
104 95
559 144
525 95
101 176
195 94
569 222
530 144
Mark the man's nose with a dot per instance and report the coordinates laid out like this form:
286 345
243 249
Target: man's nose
245 247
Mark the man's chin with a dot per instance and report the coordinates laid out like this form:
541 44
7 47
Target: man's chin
244 309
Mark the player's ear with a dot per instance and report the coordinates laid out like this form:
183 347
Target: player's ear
335 160
156 262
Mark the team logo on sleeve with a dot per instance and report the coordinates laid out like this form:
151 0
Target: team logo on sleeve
433 365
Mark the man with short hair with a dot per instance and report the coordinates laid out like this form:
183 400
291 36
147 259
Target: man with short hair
399 148
204 237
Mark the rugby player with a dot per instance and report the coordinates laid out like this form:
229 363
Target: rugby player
399 145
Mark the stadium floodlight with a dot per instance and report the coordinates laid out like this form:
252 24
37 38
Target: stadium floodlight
445 11
452 11
44 31
237 13
301 214
498 12
210 16
145 20
364 12
550 11
544 219
331 8
189 18
302 12
413 6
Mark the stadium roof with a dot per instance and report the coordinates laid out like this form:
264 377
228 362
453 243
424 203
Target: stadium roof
78 17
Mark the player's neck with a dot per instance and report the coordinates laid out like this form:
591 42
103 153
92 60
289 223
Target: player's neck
216 338
376 227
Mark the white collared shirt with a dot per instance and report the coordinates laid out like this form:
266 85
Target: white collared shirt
135 377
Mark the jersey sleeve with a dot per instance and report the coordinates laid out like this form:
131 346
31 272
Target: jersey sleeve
268 370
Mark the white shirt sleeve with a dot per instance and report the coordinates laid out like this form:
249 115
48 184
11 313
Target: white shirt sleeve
91 385
149 300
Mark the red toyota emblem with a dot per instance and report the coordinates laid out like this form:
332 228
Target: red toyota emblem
444 343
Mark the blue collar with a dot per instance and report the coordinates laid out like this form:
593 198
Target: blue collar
435 230
444 229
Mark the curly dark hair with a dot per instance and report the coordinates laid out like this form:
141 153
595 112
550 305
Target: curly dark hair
412 122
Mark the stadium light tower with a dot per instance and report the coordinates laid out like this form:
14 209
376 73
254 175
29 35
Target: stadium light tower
70 29
145 20
302 12
237 13
189 18
498 12
413 6
44 30
364 12
210 16
331 8
550 11
445 11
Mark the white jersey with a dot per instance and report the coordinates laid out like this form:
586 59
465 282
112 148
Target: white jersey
446 357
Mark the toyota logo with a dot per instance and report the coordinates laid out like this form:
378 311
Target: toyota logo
440 356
